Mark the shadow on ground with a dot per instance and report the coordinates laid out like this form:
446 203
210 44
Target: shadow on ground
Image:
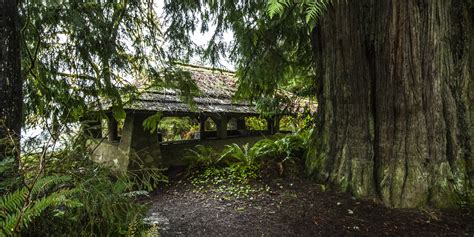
294 207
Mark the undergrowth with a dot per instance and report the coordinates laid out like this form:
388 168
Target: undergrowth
230 173
61 192
226 182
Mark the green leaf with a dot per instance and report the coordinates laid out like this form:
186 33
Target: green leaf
151 123
315 9
276 7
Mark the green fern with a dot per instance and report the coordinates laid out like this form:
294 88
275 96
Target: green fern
6 164
241 155
133 227
106 209
41 204
315 9
19 208
46 182
265 148
203 156
13 201
151 123
276 7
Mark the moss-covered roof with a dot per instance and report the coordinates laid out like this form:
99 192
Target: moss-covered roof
217 88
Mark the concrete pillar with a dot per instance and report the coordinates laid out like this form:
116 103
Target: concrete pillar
140 145
112 129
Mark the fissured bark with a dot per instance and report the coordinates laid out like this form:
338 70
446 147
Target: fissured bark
10 80
396 100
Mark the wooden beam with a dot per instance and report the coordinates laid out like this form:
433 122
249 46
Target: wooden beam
277 123
112 128
221 125
241 124
271 125
202 126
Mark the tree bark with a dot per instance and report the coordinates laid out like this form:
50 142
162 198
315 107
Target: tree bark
11 98
396 100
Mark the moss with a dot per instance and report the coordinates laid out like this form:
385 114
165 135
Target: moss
315 162
416 190
398 177
362 178
341 175
316 155
446 199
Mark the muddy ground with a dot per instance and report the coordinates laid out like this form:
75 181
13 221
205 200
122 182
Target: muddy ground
293 206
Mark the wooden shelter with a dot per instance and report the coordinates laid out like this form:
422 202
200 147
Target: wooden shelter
215 101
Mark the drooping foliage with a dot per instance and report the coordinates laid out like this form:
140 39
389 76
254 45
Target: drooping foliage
271 40
387 127
59 191
20 207
79 54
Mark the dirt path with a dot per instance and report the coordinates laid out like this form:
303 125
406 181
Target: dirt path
295 207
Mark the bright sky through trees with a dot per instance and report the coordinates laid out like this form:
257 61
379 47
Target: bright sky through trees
201 39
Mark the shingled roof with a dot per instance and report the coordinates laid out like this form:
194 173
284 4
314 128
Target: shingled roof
217 89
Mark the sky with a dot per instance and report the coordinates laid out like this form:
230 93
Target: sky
201 39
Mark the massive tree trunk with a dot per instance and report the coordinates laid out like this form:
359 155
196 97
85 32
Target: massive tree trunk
10 80
396 100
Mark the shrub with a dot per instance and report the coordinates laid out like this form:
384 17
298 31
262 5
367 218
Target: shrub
107 203
279 148
239 155
282 148
20 206
202 156
63 193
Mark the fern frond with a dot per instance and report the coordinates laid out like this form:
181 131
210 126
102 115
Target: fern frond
6 164
315 9
16 212
7 225
202 155
151 123
42 204
276 7
46 182
13 201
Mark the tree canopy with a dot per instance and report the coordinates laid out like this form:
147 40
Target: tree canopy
367 62
79 54
394 82
387 127
271 40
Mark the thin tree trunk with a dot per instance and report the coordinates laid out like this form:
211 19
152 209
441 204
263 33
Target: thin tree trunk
11 99
396 100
